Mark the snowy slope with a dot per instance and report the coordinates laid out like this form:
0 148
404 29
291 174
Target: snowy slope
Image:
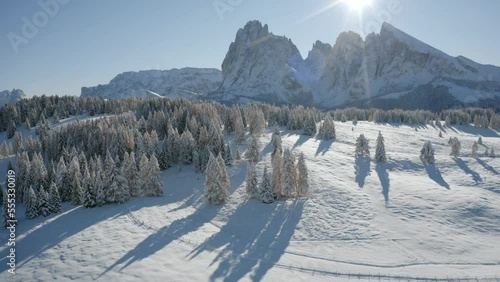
175 83
362 221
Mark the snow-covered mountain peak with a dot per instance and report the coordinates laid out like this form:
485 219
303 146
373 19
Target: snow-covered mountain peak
11 96
252 32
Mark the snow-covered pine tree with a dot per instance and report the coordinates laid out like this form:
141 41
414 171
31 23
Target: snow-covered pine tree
327 128
239 128
228 155
455 147
54 199
289 174
253 152
186 145
31 204
252 184
89 196
440 134
475 147
131 173
143 175
302 176
266 194
276 182
480 140
427 153
196 161
17 144
43 202
362 147
380 156
309 125
11 129
154 183
74 183
224 177
214 191
22 173
99 184
276 142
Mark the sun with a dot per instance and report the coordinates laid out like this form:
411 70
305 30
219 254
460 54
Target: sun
357 5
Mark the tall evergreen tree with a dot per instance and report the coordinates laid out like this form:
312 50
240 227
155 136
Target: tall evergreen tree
266 194
276 142
252 184
224 177
89 196
455 147
214 189
302 176
54 199
11 129
362 147
31 204
380 156
253 152
277 177
131 173
74 183
289 174
43 202
327 129
155 185
475 147
99 189
62 179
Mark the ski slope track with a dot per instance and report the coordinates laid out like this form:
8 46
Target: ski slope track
398 221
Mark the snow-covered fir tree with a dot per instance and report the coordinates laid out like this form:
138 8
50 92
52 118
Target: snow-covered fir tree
186 147
239 128
196 161
99 189
309 125
214 189
276 142
289 176
31 204
143 175
228 155
89 196
266 194
224 177
131 173
440 134
11 129
480 140
276 182
252 183
455 147
380 156
362 147
54 199
253 152
302 176
74 182
427 153
154 182
475 147
43 202
327 128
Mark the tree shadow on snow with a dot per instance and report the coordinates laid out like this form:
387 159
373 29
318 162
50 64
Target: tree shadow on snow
302 139
484 132
362 170
435 175
487 166
253 240
64 225
324 146
164 236
475 176
383 176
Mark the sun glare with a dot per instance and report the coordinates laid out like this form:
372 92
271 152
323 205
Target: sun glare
357 5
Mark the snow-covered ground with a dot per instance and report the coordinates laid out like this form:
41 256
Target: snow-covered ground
397 221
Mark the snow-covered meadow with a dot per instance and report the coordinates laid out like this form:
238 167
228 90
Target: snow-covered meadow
395 221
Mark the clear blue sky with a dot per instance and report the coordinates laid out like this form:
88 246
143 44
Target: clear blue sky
88 42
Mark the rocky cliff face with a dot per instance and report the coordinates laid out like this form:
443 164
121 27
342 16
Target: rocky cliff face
262 66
